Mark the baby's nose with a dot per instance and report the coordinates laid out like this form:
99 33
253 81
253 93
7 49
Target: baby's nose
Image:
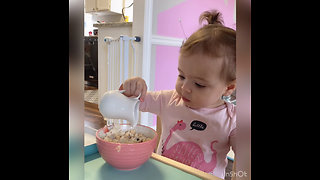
186 88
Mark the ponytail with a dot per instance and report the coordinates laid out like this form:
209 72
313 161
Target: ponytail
212 17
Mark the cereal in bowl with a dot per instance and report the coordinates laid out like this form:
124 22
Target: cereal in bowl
128 137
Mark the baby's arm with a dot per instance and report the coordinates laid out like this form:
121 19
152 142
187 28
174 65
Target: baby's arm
154 102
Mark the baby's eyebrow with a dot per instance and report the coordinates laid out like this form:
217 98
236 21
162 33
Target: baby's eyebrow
199 78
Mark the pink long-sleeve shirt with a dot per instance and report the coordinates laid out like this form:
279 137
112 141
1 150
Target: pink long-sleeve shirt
199 138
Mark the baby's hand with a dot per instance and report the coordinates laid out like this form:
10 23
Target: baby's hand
134 86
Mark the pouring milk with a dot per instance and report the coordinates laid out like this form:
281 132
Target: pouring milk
115 105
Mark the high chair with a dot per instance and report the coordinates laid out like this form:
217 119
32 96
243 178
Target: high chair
159 131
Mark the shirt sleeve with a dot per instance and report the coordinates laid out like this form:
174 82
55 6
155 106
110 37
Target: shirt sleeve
232 139
233 133
153 102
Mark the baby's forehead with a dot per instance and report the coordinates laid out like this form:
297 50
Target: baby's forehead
201 60
200 68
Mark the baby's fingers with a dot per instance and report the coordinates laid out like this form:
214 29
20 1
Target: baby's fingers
139 88
134 87
127 87
143 92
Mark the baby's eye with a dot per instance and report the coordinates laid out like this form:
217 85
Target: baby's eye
199 85
181 77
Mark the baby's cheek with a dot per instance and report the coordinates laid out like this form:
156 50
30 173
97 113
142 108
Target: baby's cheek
178 87
202 101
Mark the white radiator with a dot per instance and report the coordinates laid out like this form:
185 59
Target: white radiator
121 63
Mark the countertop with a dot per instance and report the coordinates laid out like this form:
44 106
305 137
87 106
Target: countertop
113 24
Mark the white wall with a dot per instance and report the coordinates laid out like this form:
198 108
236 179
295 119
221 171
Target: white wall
88 24
129 11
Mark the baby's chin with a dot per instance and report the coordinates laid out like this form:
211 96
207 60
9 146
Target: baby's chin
191 105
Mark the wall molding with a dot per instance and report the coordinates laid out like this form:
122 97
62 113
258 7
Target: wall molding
166 41
147 118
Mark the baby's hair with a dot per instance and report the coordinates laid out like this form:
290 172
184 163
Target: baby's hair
215 41
212 17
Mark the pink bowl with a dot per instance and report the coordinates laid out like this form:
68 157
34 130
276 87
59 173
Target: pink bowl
128 156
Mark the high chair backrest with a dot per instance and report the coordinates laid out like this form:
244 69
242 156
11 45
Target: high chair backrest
159 130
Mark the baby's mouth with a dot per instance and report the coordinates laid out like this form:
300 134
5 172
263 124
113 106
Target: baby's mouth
185 99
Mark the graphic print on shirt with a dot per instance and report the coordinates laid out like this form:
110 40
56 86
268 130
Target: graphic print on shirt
198 125
188 152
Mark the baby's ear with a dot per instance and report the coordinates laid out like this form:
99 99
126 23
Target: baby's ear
230 88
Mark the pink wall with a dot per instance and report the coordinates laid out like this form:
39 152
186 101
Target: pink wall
189 12
168 25
166 72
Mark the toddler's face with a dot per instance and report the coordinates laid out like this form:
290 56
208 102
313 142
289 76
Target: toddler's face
199 83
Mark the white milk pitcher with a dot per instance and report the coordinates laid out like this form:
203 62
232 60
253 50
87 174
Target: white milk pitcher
115 105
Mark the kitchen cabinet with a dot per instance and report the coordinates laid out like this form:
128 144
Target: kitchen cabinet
114 6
